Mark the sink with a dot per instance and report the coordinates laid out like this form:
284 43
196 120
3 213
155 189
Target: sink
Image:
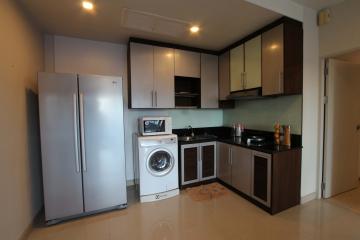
196 137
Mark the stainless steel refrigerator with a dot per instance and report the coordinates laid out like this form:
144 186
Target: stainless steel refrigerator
82 144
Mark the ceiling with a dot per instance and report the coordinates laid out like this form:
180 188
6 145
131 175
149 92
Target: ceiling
318 4
221 24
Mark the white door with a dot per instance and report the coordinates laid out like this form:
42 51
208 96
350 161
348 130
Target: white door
341 120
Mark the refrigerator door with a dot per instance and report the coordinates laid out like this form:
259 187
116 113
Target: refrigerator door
58 106
102 141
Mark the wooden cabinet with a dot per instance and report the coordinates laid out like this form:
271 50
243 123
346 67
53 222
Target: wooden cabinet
252 74
241 169
152 76
224 75
237 68
187 63
142 75
209 81
261 178
164 77
198 162
282 59
224 162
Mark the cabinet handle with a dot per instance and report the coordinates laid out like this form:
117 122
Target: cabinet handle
152 98
245 80
155 98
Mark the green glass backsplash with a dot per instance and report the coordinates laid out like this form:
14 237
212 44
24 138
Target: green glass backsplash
262 114
196 118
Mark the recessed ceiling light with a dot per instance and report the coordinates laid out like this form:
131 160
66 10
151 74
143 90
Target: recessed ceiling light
88 5
194 29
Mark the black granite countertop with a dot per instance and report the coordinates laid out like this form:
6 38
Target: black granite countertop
223 134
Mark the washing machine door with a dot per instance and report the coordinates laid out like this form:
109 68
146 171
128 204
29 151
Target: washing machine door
160 162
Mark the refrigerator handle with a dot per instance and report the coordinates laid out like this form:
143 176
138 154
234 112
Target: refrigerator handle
76 134
82 133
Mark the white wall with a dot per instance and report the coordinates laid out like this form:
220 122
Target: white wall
341 34
21 58
64 54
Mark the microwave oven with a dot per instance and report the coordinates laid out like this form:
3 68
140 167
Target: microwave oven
149 126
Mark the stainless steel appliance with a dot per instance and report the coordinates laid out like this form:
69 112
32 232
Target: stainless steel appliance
82 141
149 126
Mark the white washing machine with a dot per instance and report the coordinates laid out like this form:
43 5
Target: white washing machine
157 167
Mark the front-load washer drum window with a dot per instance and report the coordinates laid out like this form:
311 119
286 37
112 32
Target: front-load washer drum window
160 162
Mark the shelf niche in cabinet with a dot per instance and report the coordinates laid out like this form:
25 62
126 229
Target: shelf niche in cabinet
187 92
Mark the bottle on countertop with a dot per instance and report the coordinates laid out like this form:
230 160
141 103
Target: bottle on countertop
277 133
287 135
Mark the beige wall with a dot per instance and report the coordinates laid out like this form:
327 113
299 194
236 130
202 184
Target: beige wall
66 54
341 34
20 177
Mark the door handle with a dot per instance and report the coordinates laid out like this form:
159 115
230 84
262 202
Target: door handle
152 98
82 133
76 134
281 81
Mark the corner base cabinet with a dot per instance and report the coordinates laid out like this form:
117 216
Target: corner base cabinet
198 162
271 181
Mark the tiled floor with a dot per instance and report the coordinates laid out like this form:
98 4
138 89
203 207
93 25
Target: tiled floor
227 217
349 200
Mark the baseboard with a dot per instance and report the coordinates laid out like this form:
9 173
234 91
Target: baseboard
29 228
308 198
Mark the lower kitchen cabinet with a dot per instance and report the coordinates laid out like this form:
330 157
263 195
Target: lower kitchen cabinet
241 169
271 181
261 177
198 162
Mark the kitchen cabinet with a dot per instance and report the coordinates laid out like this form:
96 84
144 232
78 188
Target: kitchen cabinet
234 167
236 68
224 162
241 169
152 76
198 162
261 177
252 74
209 81
187 63
282 59
224 75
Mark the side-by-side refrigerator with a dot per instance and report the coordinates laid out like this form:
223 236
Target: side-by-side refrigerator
82 144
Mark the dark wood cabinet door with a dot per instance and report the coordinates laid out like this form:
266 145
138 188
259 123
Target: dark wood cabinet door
190 164
262 177
208 161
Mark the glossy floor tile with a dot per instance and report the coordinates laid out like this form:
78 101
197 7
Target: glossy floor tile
227 217
350 199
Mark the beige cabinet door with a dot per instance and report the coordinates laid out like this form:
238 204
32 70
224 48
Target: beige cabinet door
224 75
142 75
273 61
187 63
241 159
164 91
209 81
236 68
223 166
252 75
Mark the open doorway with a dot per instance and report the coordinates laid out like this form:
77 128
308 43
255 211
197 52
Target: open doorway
341 168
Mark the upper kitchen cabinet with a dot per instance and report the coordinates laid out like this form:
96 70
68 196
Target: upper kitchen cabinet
282 59
151 76
224 76
141 92
237 68
187 63
209 81
164 77
252 74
